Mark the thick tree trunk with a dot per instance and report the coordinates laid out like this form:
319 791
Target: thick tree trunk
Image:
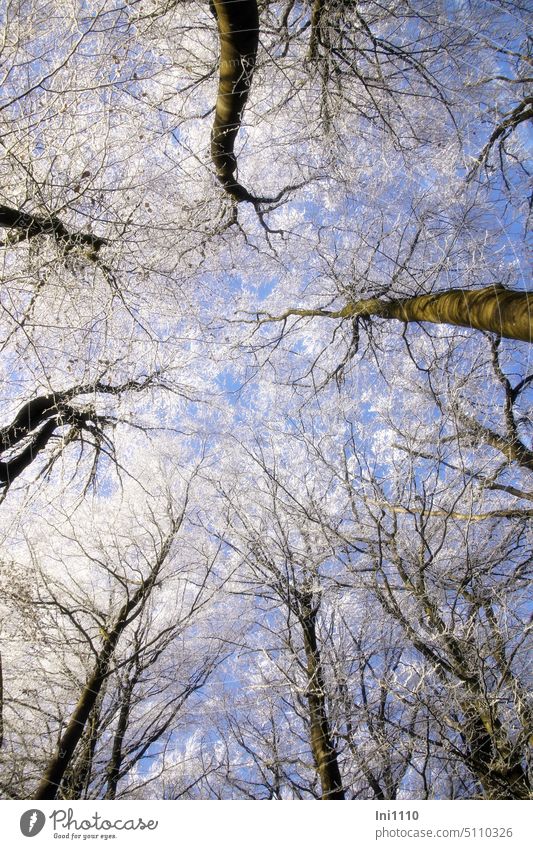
492 309
78 777
70 738
491 758
316 20
238 27
324 753
43 415
72 735
11 469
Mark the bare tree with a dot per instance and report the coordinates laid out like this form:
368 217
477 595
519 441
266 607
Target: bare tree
280 244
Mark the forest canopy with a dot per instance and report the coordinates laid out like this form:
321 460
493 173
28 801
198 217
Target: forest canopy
266 446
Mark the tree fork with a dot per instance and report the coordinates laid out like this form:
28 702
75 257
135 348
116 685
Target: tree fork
70 738
115 763
492 758
76 780
72 735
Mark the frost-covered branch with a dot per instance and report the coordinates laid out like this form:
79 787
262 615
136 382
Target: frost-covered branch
27 226
38 419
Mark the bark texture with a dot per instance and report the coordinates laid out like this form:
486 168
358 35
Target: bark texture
32 429
72 734
493 757
238 28
324 753
38 419
316 21
117 754
34 426
494 308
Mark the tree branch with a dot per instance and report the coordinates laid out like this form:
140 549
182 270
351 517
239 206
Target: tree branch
29 226
494 309
522 112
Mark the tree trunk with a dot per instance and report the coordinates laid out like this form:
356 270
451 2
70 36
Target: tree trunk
491 757
29 226
115 763
492 309
324 753
76 780
70 738
238 27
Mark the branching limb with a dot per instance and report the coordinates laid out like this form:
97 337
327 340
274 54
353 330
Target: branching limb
509 444
27 226
486 483
495 309
316 22
522 112
513 449
38 419
505 513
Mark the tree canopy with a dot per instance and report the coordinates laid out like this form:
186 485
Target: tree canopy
266 452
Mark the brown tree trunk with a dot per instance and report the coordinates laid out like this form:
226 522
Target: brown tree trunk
316 21
29 226
238 27
491 758
76 779
70 738
324 753
492 309
490 754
